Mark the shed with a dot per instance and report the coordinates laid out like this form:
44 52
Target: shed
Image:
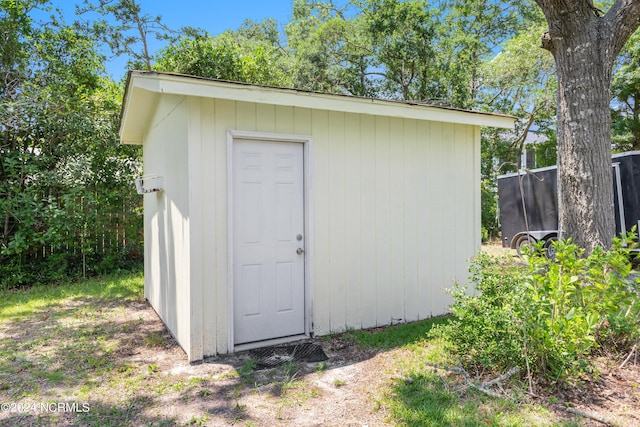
284 214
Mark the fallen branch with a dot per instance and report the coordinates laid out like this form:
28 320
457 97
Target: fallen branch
631 353
595 417
483 387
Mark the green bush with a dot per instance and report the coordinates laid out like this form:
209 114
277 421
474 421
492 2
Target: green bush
485 329
549 314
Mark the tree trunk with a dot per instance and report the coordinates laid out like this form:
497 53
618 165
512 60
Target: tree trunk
585 188
585 45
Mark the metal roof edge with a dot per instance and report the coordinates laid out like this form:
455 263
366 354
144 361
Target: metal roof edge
182 84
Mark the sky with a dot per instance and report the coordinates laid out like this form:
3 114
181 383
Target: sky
215 16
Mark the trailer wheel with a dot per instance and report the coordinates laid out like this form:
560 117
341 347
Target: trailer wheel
523 242
549 247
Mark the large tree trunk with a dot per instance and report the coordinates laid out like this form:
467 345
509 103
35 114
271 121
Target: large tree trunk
585 188
584 46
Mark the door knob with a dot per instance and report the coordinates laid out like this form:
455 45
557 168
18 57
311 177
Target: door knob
300 251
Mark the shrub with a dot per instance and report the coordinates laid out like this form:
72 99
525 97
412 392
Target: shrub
550 315
485 329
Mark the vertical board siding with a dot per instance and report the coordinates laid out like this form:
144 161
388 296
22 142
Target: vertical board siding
437 246
211 257
395 213
266 115
246 116
397 221
195 249
369 231
427 159
284 119
382 221
224 119
167 241
410 195
353 225
337 216
322 268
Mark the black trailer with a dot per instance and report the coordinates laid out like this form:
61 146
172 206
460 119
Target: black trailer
535 192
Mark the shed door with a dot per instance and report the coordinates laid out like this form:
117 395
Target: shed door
268 241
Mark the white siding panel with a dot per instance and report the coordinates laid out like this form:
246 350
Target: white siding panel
433 211
246 115
337 215
410 197
284 119
166 218
224 120
353 225
453 200
322 266
195 248
211 250
465 180
397 221
266 115
424 198
369 231
477 158
302 121
382 209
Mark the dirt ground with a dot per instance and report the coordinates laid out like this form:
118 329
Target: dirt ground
344 391
341 392
144 378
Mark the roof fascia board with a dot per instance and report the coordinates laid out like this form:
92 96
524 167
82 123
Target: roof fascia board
140 99
189 86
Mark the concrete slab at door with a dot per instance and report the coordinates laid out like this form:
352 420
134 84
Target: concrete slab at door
268 218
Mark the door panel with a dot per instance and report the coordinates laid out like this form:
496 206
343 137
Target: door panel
268 210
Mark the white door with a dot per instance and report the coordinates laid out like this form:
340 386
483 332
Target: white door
268 240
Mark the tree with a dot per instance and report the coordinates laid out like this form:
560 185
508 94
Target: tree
403 39
64 178
521 81
585 42
471 31
329 50
130 33
251 54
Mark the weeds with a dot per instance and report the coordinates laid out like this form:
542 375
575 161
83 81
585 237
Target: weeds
246 371
155 339
548 318
337 383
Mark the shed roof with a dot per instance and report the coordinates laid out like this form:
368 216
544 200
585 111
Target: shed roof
144 87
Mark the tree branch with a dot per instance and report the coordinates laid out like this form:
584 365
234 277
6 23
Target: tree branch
595 417
622 20
483 387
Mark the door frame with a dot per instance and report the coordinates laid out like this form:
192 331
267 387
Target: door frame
307 142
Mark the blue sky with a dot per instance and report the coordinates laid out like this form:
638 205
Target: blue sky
215 16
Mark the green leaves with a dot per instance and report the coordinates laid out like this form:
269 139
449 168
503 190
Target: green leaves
626 92
251 54
63 175
551 315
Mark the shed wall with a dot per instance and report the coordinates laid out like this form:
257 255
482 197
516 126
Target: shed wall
167 219
396 213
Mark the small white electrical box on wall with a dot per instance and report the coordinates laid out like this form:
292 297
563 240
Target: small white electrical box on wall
149 184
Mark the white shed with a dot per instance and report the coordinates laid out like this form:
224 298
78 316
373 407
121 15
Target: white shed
285 214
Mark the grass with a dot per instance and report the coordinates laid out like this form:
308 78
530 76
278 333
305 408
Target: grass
394 336
65 343
422 397
78 343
